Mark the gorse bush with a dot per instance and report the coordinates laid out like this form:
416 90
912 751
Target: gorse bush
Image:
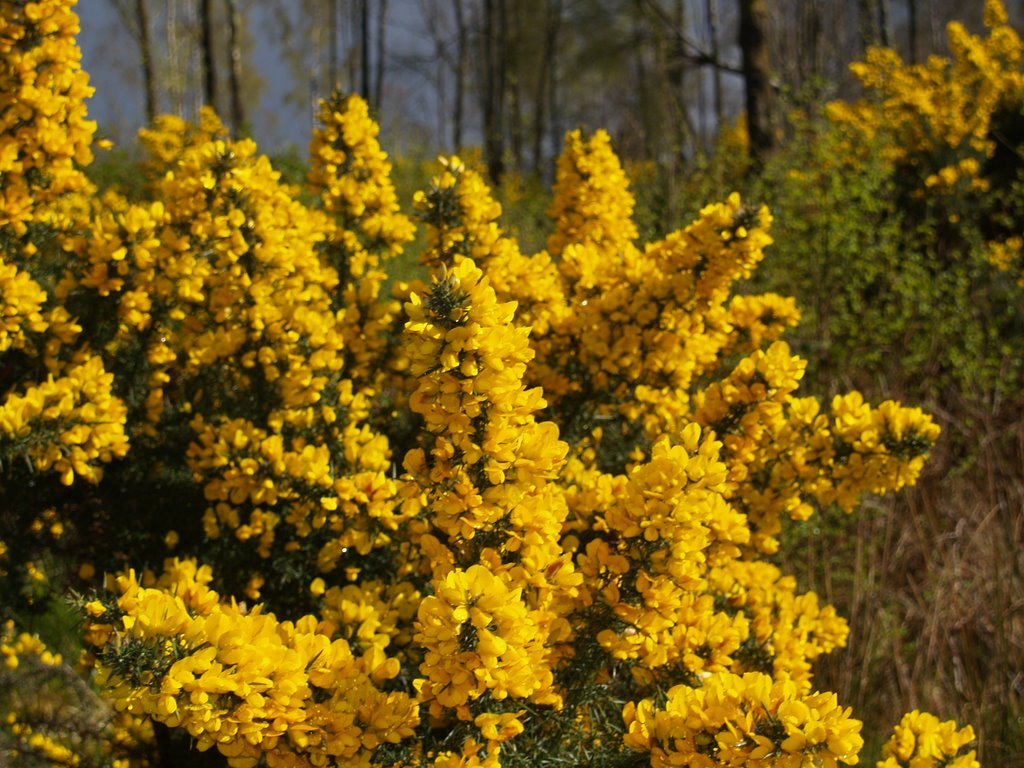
519 514
900 220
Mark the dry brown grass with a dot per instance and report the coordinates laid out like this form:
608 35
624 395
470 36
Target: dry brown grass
932 581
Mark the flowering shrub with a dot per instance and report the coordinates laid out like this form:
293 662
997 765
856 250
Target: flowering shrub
518 513
931 162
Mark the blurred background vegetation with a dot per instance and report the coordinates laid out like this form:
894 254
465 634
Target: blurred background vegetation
662 76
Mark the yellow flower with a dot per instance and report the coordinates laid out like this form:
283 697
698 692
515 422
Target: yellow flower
943 108
922 741
479 637
243 681
592 198
734 720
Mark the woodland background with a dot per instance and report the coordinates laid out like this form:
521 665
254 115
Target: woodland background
510 77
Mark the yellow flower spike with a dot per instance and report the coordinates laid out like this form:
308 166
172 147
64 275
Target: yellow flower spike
362 196
592 201
351 175
741 716
51 136
479 638
490 460
943 108
242 680
921 740
500 727
93 422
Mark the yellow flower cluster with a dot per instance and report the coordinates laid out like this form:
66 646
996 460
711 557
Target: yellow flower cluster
592 201
664 555
756 321
479 637
877 449
471 360
234 283
647 326
462 220
659 550
243 682
649 563
351 175
244 467
69 425
508 569
223 287
372 616
785 456
734 720
61 417
788 631
922 741
501 582
26 741
649 323
171 135
1007 256
14 646
44 132
30 743
943 123
21 309
940 116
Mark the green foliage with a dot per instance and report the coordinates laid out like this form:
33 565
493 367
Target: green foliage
118 169
895 292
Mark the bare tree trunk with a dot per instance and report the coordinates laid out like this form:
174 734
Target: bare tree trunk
703 112
193 59
871 35
209 64
681 130
462 53
808 42
364 49
711 7
443 63
235 73
146 53
936 31
378 80
515 103
316 49
650 116
350 34
757 77
884 27
494 39
675 72
175 57
333 30
912 29
554 113
865 20
545 76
